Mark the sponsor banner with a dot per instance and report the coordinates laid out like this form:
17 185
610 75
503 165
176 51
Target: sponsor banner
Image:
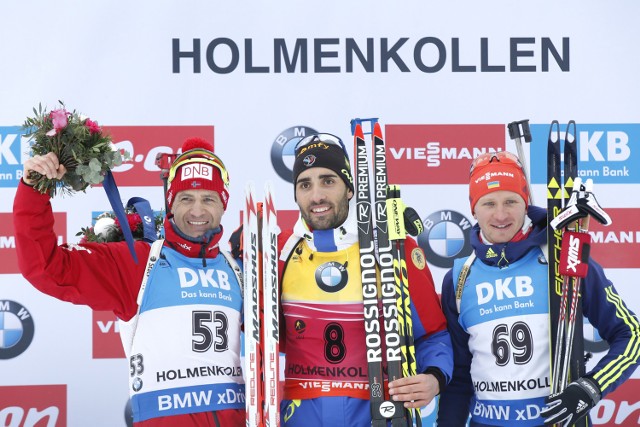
144 143
13 153
106 336
618 245
34 405
286 218
607 153
8 254
620 408
438 154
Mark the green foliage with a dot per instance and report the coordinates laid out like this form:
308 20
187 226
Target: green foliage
80 144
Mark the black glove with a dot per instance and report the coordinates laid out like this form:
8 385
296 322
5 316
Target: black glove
572 403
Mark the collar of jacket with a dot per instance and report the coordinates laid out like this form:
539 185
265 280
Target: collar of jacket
192 248
502 254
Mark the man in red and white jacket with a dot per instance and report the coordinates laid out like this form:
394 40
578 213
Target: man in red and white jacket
187 317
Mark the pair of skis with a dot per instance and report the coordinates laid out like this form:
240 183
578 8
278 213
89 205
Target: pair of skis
569 207
261 310
381 234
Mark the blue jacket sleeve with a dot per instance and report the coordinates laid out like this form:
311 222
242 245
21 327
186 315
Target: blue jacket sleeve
435 351
456 397
616 324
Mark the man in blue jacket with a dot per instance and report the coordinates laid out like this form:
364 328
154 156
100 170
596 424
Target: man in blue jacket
499 322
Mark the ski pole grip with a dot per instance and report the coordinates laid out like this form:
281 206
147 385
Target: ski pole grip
395 214
520 129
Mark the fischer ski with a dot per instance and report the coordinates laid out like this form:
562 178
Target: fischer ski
261 310
568 209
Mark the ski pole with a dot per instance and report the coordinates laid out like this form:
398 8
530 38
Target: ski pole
574 259
397 233
517 131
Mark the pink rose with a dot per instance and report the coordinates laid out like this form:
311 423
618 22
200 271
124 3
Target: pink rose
92 126
59 120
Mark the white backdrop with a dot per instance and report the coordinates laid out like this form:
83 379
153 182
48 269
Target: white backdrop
114 62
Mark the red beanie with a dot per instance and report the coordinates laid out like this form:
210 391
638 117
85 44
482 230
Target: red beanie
197 168
499 171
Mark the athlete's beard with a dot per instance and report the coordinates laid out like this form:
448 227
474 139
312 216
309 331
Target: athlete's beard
340 213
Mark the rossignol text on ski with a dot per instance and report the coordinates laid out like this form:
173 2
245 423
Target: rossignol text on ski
378 252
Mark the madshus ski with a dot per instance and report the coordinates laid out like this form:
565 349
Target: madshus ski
376 250
261 310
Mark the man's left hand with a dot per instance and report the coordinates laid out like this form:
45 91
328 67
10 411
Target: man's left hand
416 391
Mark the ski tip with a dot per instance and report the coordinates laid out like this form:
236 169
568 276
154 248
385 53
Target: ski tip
377 130
357 131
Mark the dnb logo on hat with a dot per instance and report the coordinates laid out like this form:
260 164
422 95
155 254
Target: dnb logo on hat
282 150
446 236
16 329
331 276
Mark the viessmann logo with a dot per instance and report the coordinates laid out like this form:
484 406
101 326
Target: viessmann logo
438 154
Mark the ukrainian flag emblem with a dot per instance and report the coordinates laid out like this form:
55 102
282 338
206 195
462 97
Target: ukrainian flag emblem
493 184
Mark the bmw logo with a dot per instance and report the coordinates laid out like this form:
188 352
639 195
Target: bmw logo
331 276
137 384
282 150
16 329
446 236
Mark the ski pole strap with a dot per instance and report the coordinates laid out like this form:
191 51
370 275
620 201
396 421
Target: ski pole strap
589 204
582 204
143 208
412 221
113 195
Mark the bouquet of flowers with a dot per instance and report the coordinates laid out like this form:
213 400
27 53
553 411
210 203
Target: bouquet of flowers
79 143
108 229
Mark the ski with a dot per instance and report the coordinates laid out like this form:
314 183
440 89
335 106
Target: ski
381 409
271 303
565 309
393 309
253 364
570 150
261 310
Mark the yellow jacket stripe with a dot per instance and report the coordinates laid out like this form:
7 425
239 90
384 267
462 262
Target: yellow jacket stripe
614 369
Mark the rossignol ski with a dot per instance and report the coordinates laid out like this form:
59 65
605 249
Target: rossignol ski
376 249
261 310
